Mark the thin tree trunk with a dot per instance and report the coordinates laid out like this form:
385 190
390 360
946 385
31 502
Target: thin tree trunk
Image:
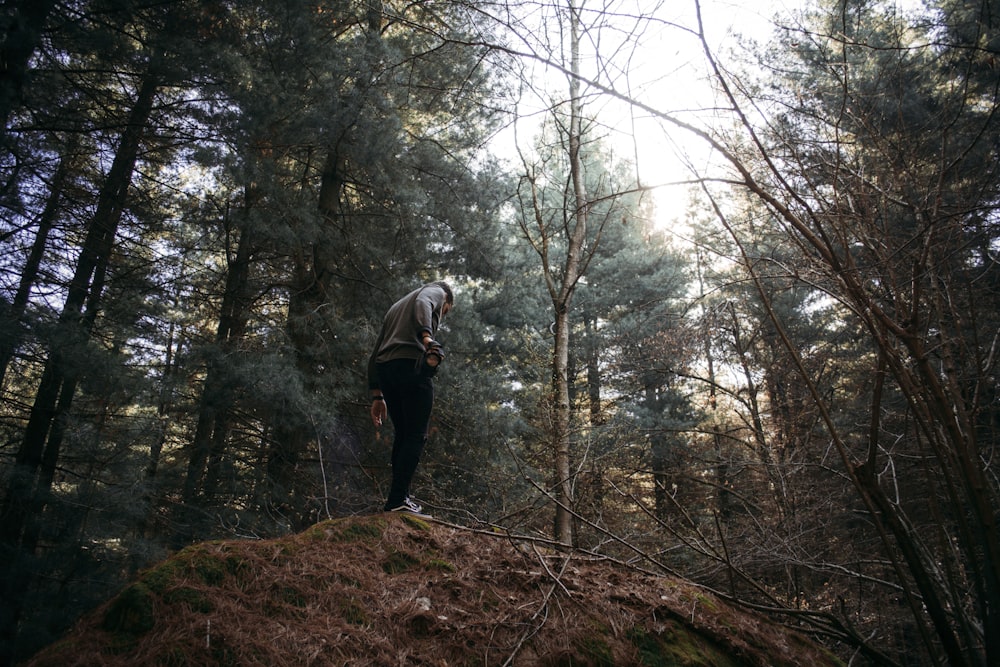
593 370
564 297
723 496
156 447
561 431
11 339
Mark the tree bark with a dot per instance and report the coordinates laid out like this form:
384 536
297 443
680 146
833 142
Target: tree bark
563 296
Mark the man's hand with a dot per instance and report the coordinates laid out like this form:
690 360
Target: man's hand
434 354
378 411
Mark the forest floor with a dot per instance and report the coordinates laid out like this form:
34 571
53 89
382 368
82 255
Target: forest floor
401 590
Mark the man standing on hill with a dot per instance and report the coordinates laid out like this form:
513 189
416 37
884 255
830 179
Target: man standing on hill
400 371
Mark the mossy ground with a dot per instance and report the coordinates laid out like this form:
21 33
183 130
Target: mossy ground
404 590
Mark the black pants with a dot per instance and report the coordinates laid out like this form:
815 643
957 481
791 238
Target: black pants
409 397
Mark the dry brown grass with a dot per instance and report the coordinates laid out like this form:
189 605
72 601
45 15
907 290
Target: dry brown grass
396 590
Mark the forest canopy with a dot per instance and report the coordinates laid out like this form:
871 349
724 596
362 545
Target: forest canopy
724 302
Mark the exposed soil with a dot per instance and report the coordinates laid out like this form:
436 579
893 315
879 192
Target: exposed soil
399 590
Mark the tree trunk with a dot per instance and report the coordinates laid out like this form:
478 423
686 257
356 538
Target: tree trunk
593 343
291 421
85 289
163 407
212 429
311 292
14 324
22 30
561 430
723 496
563 297
37 457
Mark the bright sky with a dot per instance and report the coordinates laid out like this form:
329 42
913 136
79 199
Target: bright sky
661 63
669 73
673 78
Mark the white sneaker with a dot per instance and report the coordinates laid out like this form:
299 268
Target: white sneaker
408 506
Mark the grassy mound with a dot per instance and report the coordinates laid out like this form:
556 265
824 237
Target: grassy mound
398 590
